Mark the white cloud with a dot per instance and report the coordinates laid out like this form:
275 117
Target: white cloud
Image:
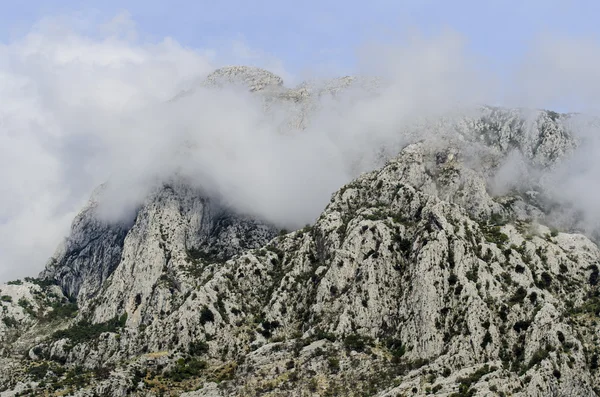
83 108
559 71
78 109
62 97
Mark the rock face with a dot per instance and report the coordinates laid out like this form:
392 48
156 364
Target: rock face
415 280
91 253
253 78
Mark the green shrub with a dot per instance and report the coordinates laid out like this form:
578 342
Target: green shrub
198 348
404 244
6 298
357 342
519 295
334 364
594 362
464 388
591 305
313 385
62 311
539 356
206 316
487 339
533 298
185 369
472 275
452 279
10 322
458 290
44 283
199 256
497 219
521 325
320 335
76 378
268 327
396 348
27 307
546 280
520 269
556 373
85 331
494 235
102 372
38 372
221 308
595 275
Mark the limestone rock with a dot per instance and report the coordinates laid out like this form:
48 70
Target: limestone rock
415 280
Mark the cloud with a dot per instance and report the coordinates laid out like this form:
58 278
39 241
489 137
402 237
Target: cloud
86 106
225 143
573 183
83 108
560 71
63 94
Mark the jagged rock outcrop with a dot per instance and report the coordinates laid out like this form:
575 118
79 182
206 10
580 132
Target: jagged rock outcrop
200 226
252 78
83 262
415 280
541 136
255 79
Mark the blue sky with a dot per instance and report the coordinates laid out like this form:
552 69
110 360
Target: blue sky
308 33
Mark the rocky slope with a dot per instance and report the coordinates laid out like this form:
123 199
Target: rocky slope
415 280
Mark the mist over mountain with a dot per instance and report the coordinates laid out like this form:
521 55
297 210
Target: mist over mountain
82 110
426 225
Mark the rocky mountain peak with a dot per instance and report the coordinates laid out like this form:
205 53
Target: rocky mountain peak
416 279
254 78
200 227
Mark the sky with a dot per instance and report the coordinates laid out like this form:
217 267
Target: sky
325 34
83 86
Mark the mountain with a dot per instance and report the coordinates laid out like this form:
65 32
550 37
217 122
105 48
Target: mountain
415 280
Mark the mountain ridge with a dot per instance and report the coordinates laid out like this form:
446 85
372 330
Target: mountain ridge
414 280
